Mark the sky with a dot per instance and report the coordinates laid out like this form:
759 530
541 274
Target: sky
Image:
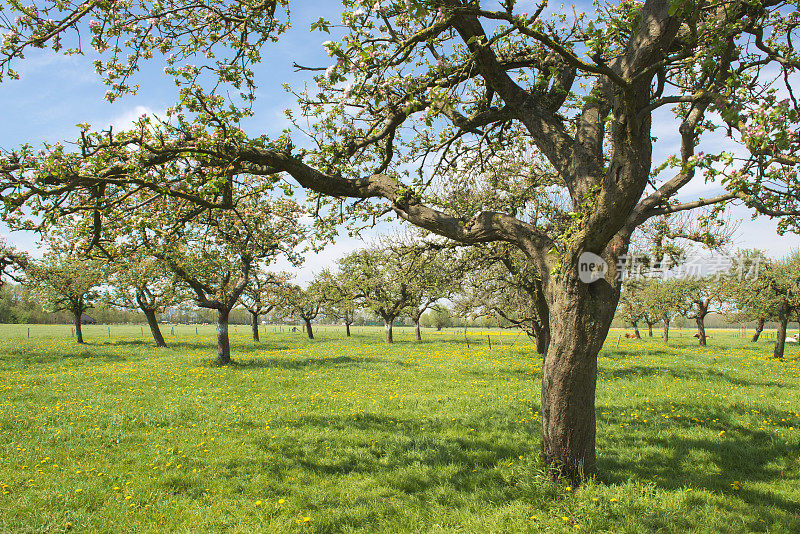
57 92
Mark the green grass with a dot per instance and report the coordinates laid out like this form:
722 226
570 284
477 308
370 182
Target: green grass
349 435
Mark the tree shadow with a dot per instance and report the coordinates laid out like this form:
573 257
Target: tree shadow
732 464
644 371
295 364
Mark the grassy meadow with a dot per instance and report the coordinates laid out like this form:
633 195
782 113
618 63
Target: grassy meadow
350 435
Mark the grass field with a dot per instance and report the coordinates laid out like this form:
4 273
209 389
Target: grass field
349 435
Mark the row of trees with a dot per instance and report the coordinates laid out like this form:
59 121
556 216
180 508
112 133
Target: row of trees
758 289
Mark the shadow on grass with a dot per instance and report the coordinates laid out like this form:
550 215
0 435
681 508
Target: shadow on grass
731 464
295 364
644 371
409 455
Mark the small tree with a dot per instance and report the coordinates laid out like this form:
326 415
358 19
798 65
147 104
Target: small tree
500 284
302 304
260 296
748 298
780 286
144 282
701 296
67 283
662 299
381 280
339 298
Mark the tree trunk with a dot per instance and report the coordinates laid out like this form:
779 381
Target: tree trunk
223 343
152 322
309 331
759 329
665 319
347 328
650 329
387 330
581 315
780 338
254 325
417 334
701 330
78 333
636 331
542 336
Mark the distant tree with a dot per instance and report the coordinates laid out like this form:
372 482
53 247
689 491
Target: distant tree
260 295
780 286
66 282
302 304
662 299
747 294
500 284
701 296
139 281
431 274
631 305
382 281
339 298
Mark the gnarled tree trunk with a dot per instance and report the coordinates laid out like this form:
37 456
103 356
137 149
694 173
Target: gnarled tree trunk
223 342
152 322
581 316
780 338
701 329
665 320
417 333
309 330
254 325
77 313
387 330
636 330
347 328
759 329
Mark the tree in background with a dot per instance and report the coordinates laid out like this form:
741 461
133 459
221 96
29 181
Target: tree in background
261 294
382 280
500 283
780 286
662 299
701 296
747 295
302 304
339 296
432 273
139 281
631 304
66 282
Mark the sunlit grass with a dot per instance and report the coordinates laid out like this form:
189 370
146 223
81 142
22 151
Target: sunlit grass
349 435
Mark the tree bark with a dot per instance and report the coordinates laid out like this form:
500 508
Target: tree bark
309 330
581 315
347 328
387 331
223 342
665 319
759 329
152 322
78 333
254 325
636 331
650 329
542 336
701 330
417 334
780 338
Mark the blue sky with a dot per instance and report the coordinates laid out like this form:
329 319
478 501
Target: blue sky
57 92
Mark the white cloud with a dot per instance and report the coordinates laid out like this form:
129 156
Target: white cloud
128 118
